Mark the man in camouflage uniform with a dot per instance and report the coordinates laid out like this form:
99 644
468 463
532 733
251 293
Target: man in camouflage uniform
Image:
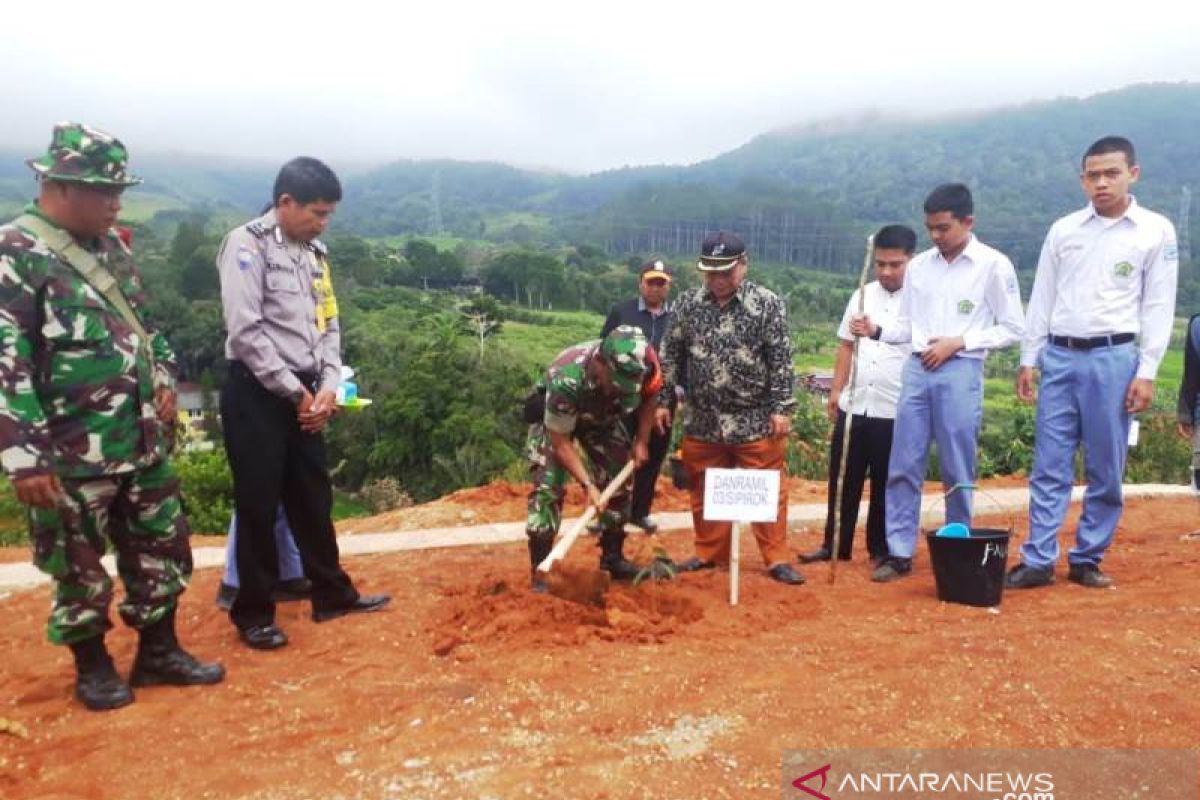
729 346
588 388
87 404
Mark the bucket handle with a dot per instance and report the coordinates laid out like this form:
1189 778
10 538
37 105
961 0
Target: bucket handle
941 498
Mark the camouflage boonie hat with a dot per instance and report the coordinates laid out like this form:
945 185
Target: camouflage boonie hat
624 350
80 154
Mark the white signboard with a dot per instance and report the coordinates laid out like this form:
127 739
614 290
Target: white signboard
741 495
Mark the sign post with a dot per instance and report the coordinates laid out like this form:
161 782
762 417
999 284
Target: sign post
740 495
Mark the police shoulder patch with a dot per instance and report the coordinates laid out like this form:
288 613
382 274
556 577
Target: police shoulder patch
318 247
245 257
257 229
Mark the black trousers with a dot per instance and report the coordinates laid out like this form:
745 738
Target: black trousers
870 448
274 462
646 476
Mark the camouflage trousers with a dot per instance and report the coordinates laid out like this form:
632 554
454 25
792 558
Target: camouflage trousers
607 449
139 514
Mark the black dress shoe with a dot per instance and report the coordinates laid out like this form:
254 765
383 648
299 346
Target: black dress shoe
263 637
1089 575
364 604
785 574
820 554
1023 576
694 564
892 568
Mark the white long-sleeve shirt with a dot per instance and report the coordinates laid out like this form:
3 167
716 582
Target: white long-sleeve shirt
975 296
1099 276
880 365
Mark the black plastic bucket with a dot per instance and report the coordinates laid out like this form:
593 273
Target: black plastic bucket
970 569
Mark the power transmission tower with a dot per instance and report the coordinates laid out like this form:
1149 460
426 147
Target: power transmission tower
1185 209
437 202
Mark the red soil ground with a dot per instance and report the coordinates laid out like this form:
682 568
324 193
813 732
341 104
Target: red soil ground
468 686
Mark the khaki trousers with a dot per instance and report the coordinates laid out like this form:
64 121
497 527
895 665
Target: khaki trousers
712 538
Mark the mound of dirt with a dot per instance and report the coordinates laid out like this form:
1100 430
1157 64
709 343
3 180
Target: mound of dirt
496 614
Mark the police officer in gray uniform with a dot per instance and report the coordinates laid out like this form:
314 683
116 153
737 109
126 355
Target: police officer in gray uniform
283 346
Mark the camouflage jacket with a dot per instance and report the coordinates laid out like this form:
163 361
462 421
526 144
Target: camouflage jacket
735 363
76 389
572 400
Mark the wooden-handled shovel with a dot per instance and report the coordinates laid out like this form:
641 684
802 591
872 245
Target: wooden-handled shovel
589 587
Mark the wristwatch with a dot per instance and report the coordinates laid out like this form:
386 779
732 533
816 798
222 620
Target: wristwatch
878 332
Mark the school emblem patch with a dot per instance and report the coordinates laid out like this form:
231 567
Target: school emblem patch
1123 269
965 306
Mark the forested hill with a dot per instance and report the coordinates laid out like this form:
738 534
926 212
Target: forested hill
805 195
1022 162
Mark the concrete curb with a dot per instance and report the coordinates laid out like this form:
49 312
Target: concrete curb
1008 501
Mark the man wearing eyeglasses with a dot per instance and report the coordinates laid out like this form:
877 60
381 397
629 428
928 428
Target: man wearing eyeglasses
651 312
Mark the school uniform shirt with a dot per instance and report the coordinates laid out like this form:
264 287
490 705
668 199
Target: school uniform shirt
880 365
1098 276
975 296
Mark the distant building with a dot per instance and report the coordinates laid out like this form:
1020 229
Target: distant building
190 404
817 382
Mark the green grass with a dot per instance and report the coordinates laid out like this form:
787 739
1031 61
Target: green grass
346 507
1170 374
440 242
543 342
135 206
539 223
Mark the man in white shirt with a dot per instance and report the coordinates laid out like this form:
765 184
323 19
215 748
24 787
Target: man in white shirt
876 391
961 299
1106 276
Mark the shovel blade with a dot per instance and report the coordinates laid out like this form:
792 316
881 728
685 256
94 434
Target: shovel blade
578 585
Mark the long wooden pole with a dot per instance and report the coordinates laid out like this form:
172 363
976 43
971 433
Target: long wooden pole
849 420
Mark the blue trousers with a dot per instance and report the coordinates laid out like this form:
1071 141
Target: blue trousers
1081 401
290 566
943 406
1194 334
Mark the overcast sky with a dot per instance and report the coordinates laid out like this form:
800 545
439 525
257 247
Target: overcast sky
568 85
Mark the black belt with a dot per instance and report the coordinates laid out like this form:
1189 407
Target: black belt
1090 343
311 380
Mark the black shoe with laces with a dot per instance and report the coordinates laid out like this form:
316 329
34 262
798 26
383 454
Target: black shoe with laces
892 568
784 573
1089 575
1024 576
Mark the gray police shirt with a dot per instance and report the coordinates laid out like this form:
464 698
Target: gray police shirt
270 293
